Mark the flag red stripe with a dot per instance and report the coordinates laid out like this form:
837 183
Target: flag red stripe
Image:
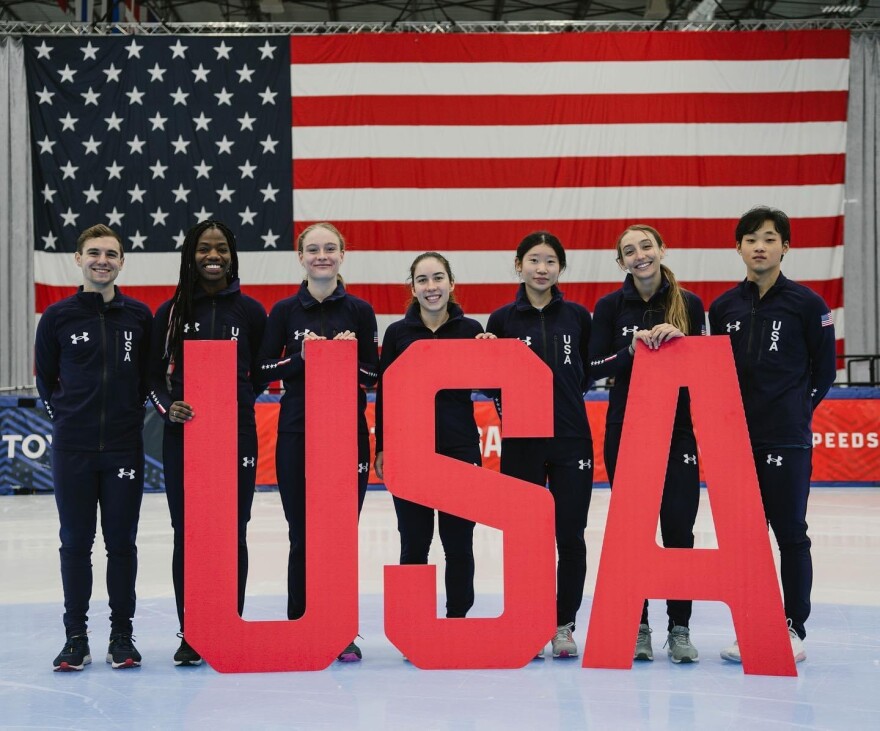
389 299
485 298
550 48
567 172
815 106
686 233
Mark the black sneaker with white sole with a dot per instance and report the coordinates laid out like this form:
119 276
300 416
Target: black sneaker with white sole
122 654
186 655
75 655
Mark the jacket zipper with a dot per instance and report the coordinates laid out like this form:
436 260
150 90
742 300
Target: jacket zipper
103 382
544 337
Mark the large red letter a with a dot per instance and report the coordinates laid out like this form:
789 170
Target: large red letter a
740 572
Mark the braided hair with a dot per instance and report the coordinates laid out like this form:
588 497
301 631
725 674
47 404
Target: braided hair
182 303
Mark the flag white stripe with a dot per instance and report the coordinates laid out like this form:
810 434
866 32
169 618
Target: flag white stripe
470 267
569 77
553 204
573 140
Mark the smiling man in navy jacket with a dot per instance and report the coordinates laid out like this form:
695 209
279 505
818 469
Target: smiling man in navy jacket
91 356
782 335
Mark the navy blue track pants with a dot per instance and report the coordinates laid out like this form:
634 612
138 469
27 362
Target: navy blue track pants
172 455
115 482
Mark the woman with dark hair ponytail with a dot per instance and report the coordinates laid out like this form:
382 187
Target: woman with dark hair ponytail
653 308
557 331
433 314
207 305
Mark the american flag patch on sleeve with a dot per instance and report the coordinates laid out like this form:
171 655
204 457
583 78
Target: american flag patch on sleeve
827 320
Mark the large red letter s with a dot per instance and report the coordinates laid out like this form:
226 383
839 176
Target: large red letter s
414 471
213 626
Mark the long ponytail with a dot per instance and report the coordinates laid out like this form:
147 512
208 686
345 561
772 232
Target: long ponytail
675 305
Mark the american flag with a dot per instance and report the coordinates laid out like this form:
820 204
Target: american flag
151 135
465 143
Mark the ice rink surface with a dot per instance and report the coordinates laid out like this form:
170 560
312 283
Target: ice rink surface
838 687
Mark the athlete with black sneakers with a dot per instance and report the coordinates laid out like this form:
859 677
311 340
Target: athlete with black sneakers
434 314
91 361
782 335
321 310
558 331
207 305
651 307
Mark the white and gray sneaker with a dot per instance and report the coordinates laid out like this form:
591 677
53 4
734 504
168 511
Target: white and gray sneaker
563 643
797 646
679 647
643 650
731 653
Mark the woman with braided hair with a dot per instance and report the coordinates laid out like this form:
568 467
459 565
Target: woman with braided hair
207 305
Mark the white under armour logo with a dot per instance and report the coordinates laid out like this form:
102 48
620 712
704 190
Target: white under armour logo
248 461
774 460
527 340
363 467
125 473
690 458
195 326
300 333
731 326
76 338
629 331
585 464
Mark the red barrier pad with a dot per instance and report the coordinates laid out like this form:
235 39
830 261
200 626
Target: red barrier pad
524 512
740 572
213 626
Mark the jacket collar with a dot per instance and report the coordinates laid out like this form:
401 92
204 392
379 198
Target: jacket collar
234 287
631 293
522 299
96 299
308 301
749 289
413 316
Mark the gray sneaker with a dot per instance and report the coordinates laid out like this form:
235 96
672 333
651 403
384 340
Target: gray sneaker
679 647
644 651
563 644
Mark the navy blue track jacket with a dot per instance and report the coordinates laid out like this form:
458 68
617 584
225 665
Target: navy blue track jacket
559 334
617 317
227 315
454 421
280 354
91 360
783 345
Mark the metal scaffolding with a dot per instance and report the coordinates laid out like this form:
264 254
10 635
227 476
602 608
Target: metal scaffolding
17 27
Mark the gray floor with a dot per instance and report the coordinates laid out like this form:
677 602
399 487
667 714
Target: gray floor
838 687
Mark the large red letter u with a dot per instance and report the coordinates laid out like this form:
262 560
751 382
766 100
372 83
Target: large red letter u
213 626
